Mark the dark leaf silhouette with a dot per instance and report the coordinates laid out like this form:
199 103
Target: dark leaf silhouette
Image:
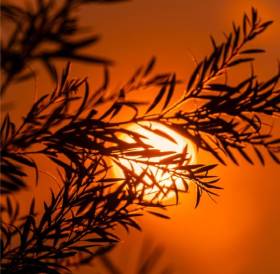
80 129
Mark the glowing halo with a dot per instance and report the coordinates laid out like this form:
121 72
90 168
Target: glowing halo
162 138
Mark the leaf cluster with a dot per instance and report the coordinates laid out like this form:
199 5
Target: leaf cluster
44 32
79 128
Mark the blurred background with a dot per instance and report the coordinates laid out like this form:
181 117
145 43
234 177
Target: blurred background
240 233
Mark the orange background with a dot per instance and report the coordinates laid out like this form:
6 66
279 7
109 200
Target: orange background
240 234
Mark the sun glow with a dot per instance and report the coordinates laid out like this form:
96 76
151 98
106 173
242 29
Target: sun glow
158 183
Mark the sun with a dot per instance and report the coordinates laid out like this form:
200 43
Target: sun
162 139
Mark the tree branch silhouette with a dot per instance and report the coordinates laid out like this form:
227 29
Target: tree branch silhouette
69 127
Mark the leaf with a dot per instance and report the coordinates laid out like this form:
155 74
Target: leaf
252 51
9 206
230 154
273 81
170 91
65 74
51 69
240 61
259 155
220 87
150 66
245 155
274 157
87 59
84 42
205 168
83 104
106 79
214 44
226 48
157 99
236 36
194 76
25 232
25 76
158 214
8 186
198 196
160 133
254 16
266 24
275 141
5 130
32 207
65 166
109 180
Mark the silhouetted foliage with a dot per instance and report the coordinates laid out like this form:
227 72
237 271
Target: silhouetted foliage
44 32
67 126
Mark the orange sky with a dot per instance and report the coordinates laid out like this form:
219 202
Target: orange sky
240 233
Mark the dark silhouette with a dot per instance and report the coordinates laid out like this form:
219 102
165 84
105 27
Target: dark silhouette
76 223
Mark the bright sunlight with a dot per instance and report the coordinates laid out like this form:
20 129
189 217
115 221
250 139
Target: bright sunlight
162 180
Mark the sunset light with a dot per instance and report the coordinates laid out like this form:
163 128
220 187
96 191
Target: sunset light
161 138
139 137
